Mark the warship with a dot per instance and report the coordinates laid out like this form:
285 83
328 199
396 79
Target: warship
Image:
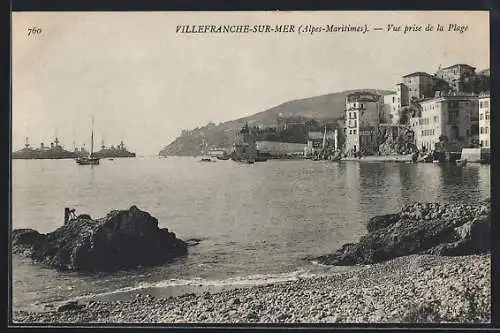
112 151
55 151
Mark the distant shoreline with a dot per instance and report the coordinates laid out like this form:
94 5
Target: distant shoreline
416 288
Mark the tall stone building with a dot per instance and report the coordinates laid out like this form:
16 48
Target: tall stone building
458 76
484 120
362 119
420 85
444 118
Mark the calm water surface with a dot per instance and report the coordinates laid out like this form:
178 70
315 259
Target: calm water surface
257 222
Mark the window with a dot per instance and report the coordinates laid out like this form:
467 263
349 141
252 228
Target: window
486 143
487 116
355 122
436 119
452 116
481 116
353 131
393 99
482 143
486 130
486 104
350 131
481 130
481 104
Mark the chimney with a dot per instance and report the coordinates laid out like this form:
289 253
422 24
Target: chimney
41 146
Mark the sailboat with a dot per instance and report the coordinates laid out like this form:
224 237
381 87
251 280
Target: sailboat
91 159
322 154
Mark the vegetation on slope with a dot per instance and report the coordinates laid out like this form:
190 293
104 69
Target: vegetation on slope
321 108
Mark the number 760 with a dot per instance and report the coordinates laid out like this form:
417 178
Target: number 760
34 31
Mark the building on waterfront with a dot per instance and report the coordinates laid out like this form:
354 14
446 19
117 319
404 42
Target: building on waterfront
457 76
444 119
315 141
362 119
280 149
484 120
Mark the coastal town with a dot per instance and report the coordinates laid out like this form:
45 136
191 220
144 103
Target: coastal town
442 117
263 167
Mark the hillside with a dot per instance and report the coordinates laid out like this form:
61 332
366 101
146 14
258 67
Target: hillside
328 106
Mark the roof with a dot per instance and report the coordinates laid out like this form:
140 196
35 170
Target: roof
456 65
417 74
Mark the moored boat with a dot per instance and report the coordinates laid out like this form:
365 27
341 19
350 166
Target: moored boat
120 151
91 159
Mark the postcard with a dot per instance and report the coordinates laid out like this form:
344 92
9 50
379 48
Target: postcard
275 167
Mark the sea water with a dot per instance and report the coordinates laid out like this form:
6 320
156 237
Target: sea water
258 223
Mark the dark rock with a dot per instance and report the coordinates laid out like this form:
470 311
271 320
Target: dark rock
25 240
70 306
382 221
419 228
123 239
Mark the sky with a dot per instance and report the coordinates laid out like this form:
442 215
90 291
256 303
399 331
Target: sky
143 82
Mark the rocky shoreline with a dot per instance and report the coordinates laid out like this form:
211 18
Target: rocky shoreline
412 289
123 239
449 229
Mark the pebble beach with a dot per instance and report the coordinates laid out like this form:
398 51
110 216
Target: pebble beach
410 289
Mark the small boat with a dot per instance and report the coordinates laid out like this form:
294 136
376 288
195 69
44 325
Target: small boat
223 157
436 161
91 159
461 162
111 159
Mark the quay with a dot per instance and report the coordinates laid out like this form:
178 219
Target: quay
386 158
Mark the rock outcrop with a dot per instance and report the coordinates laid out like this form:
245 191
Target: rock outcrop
123 239
397 141
422 228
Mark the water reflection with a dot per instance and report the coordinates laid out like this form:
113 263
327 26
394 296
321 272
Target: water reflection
253 219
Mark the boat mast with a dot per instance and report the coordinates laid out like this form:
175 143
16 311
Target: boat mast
92 139
324 139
